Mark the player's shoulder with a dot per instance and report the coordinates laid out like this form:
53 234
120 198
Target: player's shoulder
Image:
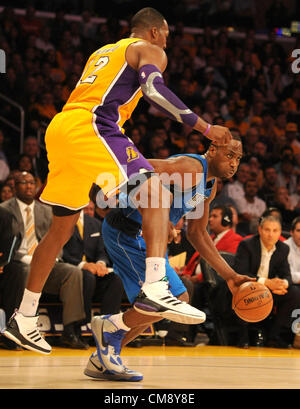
193 162
142 50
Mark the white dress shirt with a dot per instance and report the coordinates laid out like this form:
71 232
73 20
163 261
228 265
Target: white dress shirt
256 208
294 260
263 271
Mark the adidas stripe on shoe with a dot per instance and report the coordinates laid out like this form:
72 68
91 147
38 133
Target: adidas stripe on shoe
156 299
96 370
24 332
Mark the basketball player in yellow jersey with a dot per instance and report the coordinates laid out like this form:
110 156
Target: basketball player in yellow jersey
86 144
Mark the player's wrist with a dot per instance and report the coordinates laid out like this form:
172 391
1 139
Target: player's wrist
207 129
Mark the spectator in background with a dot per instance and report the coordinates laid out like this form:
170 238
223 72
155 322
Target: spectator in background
239 120
266 257
40 164
86 250
291 132
32 220
250 206
88 28
295 197
194 143
294 255
280 125
43 42
180 244
282 201
3 155
6 193
4 170
220 225
25 164
44 107
9 241
29 23
268 190
256 170
286 176
221 198
251 138
235 190
261 150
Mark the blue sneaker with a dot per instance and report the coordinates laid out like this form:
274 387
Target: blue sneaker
108 340
96 370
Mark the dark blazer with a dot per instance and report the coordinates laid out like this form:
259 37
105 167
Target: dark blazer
248 257
9 240
92 245
42 219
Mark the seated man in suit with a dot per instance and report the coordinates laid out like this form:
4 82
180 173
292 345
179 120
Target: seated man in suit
220 224
32 220
86 250
9 240
266 257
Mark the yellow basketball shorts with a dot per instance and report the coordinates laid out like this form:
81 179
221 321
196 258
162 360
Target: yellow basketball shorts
79 156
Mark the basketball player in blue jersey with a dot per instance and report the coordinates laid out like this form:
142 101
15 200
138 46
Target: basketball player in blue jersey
193 177
86 141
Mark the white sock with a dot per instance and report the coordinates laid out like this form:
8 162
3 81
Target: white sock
117 320
155 269
29 303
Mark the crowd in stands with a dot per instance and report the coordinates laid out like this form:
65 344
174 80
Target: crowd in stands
240 82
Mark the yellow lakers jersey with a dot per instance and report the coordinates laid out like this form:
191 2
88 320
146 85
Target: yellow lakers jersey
108 87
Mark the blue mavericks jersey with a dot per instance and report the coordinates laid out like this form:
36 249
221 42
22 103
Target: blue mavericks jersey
183 202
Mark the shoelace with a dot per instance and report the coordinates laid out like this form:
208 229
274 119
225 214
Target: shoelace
117 337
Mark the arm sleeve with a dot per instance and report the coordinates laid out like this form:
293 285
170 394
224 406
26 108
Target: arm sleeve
158 94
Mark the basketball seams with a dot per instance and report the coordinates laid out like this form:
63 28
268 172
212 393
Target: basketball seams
255 307
251 293
260 302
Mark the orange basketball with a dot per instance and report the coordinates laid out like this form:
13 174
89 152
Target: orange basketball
253 301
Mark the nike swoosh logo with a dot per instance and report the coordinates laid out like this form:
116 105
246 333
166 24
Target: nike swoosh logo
100 368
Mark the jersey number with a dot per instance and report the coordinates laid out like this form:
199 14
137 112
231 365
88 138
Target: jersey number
102 62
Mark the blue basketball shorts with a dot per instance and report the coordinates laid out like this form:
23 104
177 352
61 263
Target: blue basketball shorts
128 255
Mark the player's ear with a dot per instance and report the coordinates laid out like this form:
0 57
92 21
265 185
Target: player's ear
154 32
212 150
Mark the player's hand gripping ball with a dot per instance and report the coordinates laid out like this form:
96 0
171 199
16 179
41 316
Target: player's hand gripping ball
252 302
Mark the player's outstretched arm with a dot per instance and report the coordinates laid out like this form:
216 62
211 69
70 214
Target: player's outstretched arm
150 61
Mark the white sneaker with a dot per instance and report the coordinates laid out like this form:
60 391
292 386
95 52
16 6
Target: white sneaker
95 369
156 299
24 331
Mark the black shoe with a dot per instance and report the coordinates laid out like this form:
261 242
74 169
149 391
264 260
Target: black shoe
72 341
243 344
259 339
243 341
180 341
277 342
7 343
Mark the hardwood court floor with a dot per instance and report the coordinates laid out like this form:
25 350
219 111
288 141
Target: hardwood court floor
201 367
